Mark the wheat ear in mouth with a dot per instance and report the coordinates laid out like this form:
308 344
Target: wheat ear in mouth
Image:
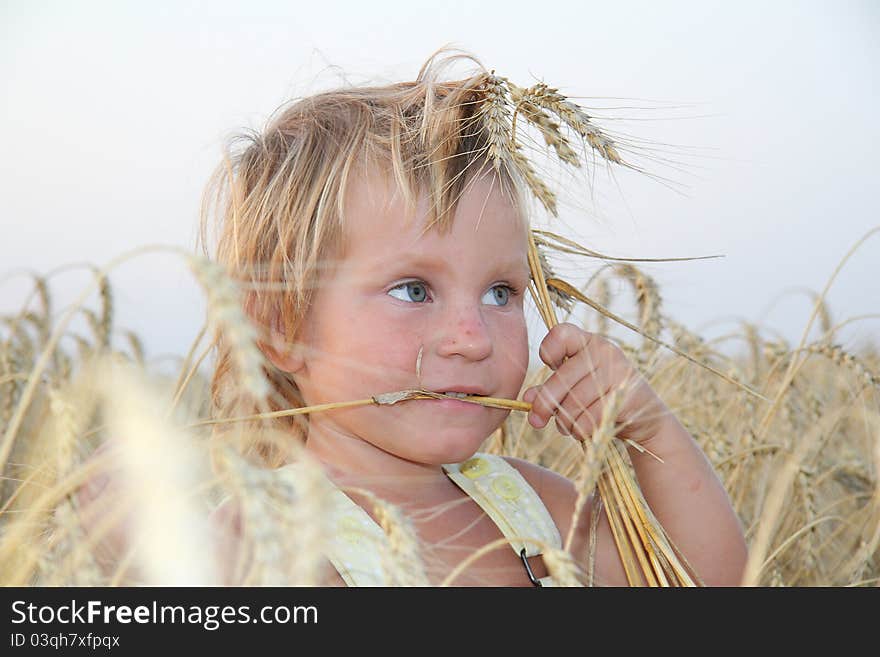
494 402
382 399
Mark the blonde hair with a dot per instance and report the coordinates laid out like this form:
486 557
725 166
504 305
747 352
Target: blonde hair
278 201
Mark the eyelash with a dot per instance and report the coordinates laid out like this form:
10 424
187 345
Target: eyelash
512 291
510 288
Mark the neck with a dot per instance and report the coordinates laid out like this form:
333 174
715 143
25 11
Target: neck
351 461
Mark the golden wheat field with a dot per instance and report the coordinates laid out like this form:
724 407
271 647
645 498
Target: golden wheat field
799 458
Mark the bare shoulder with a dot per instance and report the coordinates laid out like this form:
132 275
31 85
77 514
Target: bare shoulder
554 489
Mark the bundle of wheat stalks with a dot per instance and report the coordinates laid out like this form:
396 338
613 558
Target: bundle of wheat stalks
793 429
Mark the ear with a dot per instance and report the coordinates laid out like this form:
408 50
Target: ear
283 353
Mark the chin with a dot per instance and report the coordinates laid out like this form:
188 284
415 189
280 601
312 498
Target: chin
450 448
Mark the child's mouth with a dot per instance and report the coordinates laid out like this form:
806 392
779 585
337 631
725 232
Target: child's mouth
456 401
452 397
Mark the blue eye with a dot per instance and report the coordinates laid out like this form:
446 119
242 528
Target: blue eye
497 295
414 291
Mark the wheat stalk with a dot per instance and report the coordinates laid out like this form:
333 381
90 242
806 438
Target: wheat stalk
563 568
225 311
161 471
630 521
402 564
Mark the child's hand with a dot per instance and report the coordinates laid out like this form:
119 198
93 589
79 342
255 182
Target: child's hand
586 368
97 498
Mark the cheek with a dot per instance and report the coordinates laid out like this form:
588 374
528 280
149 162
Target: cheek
513 347
388 343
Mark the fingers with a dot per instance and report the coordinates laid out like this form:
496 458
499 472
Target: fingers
582 423
577 414
563 395
573 386
586 368
561 342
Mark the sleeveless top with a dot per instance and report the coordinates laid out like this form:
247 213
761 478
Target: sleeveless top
358 542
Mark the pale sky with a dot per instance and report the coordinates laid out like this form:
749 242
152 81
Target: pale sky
113 115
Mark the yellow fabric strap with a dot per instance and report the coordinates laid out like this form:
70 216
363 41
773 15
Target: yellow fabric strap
509 500
357 544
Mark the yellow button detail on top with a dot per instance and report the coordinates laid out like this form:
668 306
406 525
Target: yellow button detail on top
506 487
475 467
349 529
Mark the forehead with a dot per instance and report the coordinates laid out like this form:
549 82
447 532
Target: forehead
378 220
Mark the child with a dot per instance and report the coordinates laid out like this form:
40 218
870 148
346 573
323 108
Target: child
397 222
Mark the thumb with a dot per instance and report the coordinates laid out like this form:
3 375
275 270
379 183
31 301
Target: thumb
530 394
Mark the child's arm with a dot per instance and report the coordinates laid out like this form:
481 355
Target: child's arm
683 491
106 530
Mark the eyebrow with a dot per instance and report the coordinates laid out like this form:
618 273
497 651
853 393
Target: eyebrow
439 264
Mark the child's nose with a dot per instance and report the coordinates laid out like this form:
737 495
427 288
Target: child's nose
463 332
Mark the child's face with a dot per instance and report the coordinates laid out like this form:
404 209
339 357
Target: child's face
456 296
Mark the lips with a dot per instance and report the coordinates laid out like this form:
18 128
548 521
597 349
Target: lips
460 391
